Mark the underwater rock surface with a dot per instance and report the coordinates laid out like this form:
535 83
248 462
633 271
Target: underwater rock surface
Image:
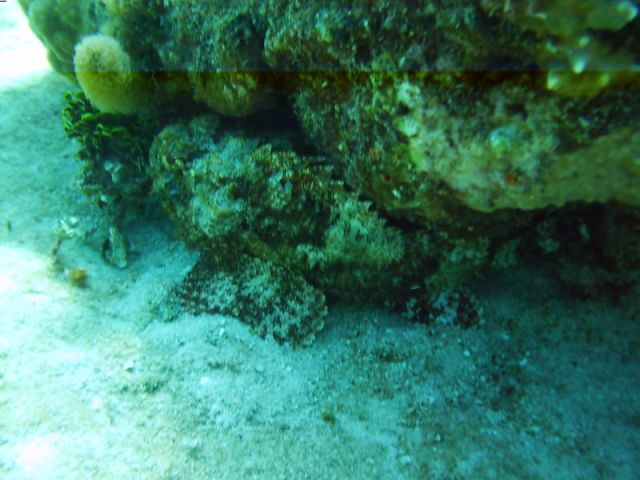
387 149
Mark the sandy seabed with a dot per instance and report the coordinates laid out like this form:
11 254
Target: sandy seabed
94 384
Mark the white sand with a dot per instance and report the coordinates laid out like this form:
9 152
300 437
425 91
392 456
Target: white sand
94 385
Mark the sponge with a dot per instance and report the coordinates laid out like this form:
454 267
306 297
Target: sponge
103 69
